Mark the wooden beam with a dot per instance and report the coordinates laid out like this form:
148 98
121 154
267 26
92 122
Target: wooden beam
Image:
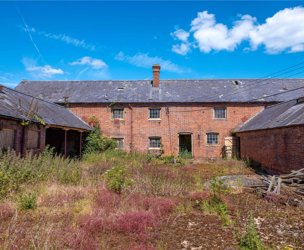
65 142
80 144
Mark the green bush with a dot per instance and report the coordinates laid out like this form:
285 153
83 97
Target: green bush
96 142
70 175
116 179
16 171
185 154
250 240
218 187
28 201
5 184
216 205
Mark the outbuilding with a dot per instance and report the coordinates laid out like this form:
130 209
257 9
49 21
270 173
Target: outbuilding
29 124
274 138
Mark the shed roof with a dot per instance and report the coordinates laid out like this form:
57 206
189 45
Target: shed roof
280 115
169 91
16 105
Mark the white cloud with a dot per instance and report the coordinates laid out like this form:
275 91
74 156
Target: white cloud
69 40
182 36
91 62
45 71
181 49
143 60
284 31
60 37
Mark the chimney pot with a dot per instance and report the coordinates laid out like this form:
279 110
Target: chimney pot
156 72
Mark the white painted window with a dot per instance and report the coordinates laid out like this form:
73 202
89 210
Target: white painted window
155 142
220 113
154 113
117 113
120 144
212 138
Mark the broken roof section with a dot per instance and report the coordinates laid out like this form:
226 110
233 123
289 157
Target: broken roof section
285 114
168 91
16 105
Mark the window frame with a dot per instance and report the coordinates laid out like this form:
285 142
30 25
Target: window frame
153 118
219 118
113 113
155 138
213 134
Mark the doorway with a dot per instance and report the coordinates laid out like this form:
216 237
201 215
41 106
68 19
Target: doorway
185 145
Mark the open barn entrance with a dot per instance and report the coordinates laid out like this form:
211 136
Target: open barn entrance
64 142
185 144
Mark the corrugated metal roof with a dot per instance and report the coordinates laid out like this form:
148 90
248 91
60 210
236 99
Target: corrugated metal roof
280 115
181 91
18 106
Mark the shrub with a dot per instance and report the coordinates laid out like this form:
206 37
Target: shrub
136 223
162 181
185 154
250 240
70 175
5 184
218 187
116 179
95 142
107 199
28 201
16 171
216 205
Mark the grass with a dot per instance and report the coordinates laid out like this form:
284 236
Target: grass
110 200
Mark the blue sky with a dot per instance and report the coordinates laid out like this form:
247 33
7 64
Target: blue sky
121 40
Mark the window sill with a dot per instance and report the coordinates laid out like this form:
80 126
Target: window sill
220 119
154 119
213 145
154 148
118 119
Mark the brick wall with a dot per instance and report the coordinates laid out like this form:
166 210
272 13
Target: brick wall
277 150
196 119
21 135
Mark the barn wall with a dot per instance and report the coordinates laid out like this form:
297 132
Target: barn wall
277 150
26 138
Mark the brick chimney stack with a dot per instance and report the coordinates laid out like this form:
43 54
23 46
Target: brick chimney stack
1 88
156 72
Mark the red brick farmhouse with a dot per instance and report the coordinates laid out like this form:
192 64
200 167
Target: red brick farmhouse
169 116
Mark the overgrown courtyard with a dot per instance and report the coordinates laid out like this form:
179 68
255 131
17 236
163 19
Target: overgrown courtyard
115 200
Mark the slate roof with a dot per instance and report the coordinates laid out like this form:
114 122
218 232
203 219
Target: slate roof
280 115
169 91
16 105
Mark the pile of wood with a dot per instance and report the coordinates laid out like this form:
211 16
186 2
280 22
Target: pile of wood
294 180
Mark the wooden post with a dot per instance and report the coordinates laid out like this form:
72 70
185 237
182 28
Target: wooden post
80 144
65 142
